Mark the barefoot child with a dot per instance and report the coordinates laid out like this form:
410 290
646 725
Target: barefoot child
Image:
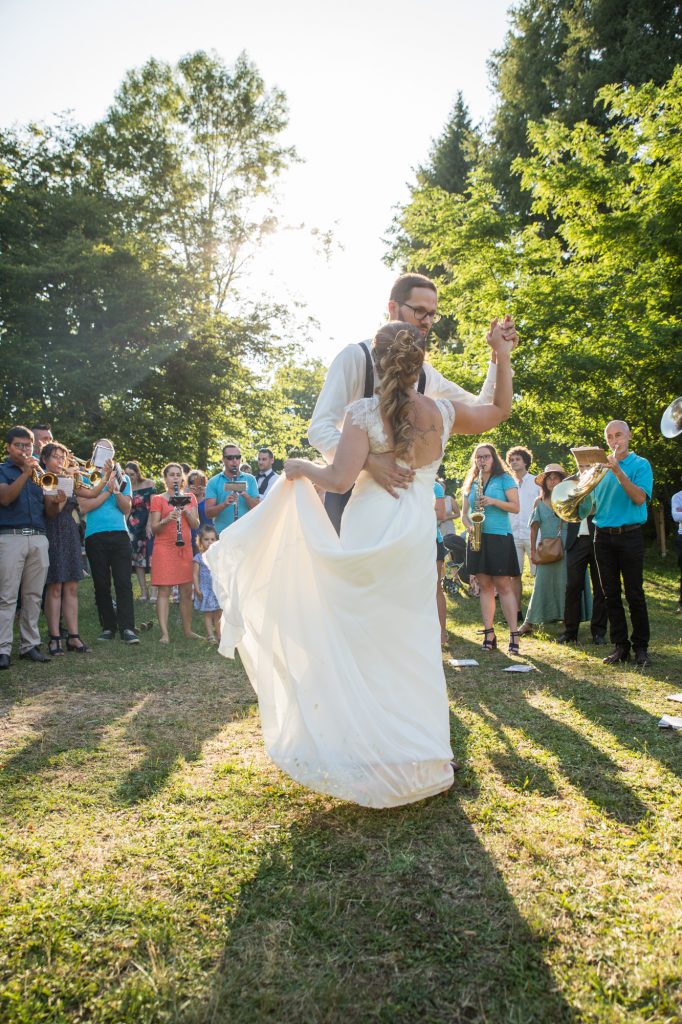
204 599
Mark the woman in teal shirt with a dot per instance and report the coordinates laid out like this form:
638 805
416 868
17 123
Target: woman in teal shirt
495 564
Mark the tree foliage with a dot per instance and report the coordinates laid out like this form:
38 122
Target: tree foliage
121 247
556 57
598 303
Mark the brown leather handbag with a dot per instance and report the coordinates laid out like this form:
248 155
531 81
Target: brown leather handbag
550 549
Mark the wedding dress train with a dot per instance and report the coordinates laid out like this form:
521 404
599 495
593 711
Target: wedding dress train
339 635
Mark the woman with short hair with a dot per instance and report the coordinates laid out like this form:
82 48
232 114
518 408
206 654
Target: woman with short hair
66 561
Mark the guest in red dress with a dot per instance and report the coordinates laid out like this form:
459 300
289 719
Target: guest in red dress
172 565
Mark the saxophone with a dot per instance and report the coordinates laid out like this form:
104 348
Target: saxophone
477 517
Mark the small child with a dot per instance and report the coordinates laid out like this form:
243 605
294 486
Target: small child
204 599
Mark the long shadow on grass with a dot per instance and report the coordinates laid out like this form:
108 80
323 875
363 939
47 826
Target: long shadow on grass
606 705
580 761
163 727
393 916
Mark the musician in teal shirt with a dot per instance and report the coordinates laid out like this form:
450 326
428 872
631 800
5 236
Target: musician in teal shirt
224 507
495 563
621 511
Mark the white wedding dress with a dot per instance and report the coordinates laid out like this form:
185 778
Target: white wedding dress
340 636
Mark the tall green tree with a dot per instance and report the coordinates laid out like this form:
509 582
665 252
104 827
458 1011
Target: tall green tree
121 250
597 303
555 58
193 151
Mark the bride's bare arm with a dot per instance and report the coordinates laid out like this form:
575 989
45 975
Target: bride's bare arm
474 419
349 458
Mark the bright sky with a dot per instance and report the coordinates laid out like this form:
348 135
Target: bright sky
369 83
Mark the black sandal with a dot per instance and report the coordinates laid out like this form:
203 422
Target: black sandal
488 645
54 646
73 647
513 644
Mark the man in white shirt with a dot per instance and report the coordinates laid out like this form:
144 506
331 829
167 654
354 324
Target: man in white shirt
266 478
413 299
676 509
519 460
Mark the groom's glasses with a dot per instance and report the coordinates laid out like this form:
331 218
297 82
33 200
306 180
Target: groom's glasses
422 314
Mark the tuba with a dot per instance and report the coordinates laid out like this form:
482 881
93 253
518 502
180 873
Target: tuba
569 495
671 420
477 517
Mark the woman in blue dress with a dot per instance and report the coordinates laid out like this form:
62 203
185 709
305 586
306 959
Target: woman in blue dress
495 565
549 588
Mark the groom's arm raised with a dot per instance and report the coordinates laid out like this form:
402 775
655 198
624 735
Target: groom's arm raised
349 459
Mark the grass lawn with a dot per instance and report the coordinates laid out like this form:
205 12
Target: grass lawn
157 867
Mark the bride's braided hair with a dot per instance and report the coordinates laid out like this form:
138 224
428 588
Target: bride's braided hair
399 355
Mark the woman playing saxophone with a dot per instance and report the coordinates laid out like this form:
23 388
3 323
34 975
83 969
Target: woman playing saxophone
490 492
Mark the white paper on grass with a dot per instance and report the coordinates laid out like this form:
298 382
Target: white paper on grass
675 696
670 722
462 662
520 668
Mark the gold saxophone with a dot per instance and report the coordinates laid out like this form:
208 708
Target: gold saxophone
477 517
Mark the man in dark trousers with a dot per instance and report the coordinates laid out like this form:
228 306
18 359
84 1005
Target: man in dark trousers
579 555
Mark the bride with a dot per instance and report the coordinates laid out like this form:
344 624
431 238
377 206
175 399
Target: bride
339 635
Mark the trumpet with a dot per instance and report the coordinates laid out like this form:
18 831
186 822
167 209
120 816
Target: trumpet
477 517
82 470
48 481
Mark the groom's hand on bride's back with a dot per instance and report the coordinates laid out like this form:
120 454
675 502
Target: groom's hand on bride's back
383 468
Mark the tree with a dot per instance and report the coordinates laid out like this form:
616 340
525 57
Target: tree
598 303
122 246
190 151
558 54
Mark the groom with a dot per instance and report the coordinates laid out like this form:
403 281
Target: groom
414 300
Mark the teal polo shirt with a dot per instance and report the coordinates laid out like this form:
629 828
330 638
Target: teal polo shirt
439 492
496 521
108 517
215 488
614 507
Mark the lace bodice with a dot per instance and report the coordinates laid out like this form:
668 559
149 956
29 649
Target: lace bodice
365 414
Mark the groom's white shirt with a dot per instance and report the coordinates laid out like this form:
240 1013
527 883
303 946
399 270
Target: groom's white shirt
345 383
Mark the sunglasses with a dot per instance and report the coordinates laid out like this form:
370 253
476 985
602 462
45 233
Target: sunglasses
231 458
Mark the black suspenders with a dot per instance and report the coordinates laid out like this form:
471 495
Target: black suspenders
369 373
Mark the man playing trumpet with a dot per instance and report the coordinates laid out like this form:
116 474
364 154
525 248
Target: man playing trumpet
621 513
24 508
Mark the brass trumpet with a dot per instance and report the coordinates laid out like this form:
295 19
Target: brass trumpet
83 470
48 481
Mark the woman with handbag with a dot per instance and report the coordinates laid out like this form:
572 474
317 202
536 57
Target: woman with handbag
490 488
549 590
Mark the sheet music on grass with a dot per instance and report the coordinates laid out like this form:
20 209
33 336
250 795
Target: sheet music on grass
520 668
462 662
670 722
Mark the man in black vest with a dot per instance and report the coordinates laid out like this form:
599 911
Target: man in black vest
579 555
351 376
266 478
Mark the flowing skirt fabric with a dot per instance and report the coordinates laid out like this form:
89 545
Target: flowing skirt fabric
340 638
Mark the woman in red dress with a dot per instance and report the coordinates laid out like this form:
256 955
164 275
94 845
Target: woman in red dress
172 565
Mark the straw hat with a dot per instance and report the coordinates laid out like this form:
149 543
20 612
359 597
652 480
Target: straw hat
553 467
